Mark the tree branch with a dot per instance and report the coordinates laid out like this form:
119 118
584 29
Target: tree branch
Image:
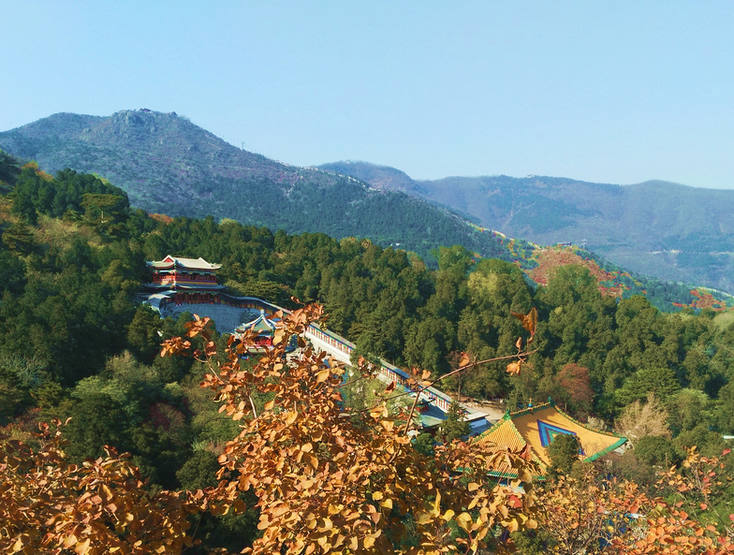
458 371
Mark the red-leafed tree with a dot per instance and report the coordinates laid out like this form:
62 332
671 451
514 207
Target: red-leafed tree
575 382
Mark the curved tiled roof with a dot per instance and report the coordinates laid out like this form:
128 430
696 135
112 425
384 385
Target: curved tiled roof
260 324
180 262
536 427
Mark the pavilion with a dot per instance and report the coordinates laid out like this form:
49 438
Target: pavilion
264 327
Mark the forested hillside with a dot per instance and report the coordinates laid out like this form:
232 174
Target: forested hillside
167 164
73 342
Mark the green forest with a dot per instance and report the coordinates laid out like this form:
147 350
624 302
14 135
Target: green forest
75 343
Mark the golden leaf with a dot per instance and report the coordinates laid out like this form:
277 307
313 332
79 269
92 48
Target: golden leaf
464 521
377 495
368 542
107 492
514 368
323 375
424 518
378 411
387 503
82 547
314 462
529 321
437 504
290 417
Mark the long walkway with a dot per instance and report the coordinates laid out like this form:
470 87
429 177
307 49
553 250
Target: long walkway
438 402
225 317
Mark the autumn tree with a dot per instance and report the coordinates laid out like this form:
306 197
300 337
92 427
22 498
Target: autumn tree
324 483
48 505
591 513
640 419
575 383
584 514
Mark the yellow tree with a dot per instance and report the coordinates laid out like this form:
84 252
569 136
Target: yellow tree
48 505
327 483
593 514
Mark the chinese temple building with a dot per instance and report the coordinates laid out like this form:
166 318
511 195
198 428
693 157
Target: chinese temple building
178 284
180 273
535 428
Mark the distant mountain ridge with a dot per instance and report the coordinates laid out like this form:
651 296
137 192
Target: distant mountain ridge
657 228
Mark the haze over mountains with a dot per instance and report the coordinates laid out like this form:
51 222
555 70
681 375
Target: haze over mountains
169 165
658 228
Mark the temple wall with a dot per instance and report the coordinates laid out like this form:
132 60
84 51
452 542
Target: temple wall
226 318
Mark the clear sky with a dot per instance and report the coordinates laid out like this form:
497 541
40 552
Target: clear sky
616 92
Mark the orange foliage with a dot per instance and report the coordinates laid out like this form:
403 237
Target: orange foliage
48 505
327 483
331 480
33 165
161 218
575 380
551 258
587 514
594 515
707 300
703 301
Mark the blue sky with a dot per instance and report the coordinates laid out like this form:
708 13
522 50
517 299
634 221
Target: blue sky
603 91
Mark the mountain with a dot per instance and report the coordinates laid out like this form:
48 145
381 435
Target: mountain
167 164
380 177
658 228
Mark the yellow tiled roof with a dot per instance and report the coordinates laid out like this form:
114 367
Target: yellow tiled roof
504 434
536 425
